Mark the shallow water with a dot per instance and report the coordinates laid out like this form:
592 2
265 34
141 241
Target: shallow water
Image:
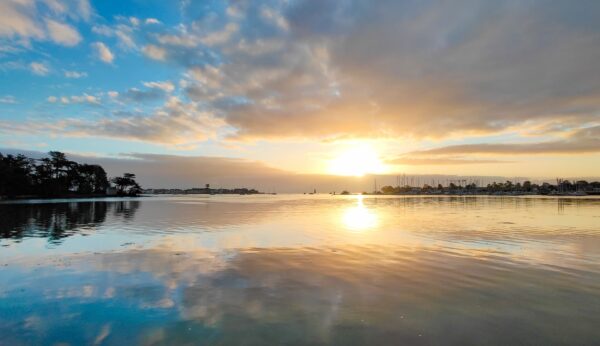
258 270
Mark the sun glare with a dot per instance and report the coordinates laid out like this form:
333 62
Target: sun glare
356 161
359 218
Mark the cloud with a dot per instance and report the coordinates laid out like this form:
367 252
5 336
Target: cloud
75 74
62 33
220 37
84 9
17 18
152 21
412 161
56 6
125 39
177 171
154 52
122 32
134 21
581 141
39 68
140 96
175 124
166 86
24 20
85 98
426 69
103 52
8 99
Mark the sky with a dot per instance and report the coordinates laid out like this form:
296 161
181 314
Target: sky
305 87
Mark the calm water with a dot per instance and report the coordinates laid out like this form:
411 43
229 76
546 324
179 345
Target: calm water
257 270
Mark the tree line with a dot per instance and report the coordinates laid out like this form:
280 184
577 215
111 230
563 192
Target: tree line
527 187
57 176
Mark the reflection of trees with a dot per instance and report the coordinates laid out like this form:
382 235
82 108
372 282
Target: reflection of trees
125 209
58 220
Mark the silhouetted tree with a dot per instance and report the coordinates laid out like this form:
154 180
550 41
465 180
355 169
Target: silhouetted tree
126 185
15 175
91 179
56 175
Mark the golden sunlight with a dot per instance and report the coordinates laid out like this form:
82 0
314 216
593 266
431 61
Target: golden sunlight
359 218
357 161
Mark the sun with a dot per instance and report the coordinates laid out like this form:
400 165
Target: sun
357 160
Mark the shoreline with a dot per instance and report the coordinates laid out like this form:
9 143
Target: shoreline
69 196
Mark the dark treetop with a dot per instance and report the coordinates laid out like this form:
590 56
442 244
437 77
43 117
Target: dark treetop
56 176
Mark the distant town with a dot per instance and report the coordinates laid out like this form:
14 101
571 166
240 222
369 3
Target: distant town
206 190
562 187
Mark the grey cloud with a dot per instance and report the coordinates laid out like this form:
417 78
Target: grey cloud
173 171
140 96
403 68
585 140
416 161
176 124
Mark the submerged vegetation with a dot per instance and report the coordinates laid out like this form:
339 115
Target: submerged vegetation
57 176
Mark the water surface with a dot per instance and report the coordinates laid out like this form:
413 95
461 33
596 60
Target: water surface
294 270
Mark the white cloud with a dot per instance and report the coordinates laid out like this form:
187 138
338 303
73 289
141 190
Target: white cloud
134 21
75 74
84 9
103 30
234 12
17 18
175 124
103 52
468 70
123 33
275 17
166 86
24 20
125 39
39 68
152 21
220 37
113 94
155 52
85 98
8 99
57 6
62 33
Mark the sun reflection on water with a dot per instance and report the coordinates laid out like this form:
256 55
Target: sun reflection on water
359 217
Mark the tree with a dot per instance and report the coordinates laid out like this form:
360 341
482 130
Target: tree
126 185
56 175
15 175
388 190
91 179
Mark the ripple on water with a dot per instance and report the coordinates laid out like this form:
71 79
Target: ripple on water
293 271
